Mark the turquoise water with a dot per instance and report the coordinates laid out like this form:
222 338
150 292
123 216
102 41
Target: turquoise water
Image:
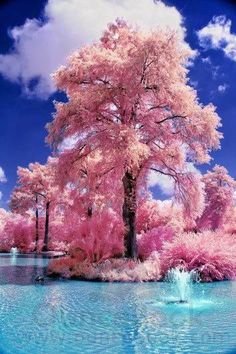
90 317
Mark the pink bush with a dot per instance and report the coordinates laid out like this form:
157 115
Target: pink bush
212 254
58 246
16 231
153 240
6 242
114 269
99 237
155 213
61 266
22 231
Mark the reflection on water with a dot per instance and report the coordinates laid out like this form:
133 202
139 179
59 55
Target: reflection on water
21 269
70 317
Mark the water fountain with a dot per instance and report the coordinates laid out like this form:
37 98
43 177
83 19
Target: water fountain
14 251
182 281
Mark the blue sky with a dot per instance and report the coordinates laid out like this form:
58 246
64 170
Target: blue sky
36 37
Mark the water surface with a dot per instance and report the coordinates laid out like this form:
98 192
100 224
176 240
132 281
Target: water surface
89 317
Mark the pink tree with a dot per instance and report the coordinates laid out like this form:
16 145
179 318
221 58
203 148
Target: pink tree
6 242
24 198
37 188
129 98
219 199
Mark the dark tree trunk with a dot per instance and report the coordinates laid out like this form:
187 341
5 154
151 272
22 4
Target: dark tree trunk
90 212
36 224
46 232
129 215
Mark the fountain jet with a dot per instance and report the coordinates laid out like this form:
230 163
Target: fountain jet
14 250
182 280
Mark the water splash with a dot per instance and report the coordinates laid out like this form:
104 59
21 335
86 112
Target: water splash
182 283
14 250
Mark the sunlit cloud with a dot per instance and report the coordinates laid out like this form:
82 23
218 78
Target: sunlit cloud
40 46
217 35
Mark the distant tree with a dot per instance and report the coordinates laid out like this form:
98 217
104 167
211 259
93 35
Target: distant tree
25 198
36 188
219 198
129 99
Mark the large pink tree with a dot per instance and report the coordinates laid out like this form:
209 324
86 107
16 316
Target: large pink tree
129 98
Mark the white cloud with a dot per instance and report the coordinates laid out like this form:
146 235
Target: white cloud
166 183
2 176
217 35
3 179
193 83
214 68
234 198
68 143
223 88
207 60
40 47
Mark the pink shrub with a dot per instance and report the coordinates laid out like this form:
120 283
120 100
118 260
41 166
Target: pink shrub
61 266
64 230
153 240
16 231
58 246
22 231
99 237
155 213
114 269
212 254
6 243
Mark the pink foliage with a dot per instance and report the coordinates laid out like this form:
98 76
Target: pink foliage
134 116
153 240
219 199
120 269
22 231
127 115
189 191
99 237
155 213
212 254
16 231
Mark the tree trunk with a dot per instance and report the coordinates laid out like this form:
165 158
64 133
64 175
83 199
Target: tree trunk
90 212
129 214
36 224
46 232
